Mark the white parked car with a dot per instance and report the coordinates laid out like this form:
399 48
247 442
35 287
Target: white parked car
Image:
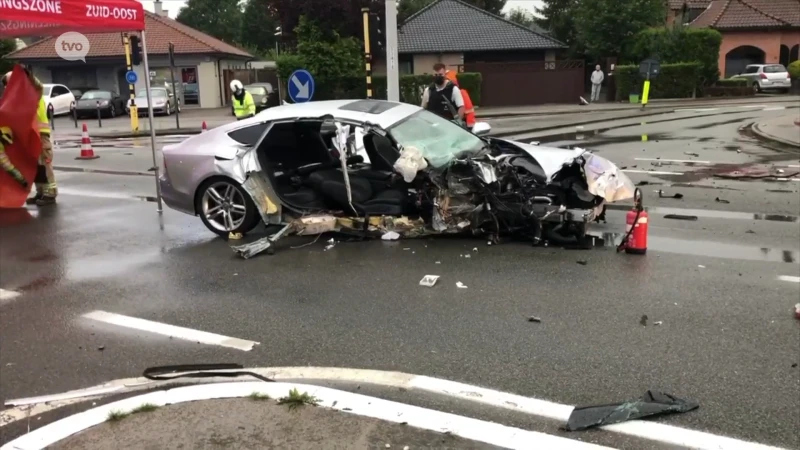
764 77
60 97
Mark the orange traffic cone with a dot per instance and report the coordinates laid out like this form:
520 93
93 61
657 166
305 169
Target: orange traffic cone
204 127
86 145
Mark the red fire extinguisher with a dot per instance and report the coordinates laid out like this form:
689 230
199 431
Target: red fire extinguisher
635 240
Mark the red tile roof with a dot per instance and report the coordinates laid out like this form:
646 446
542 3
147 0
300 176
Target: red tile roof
750 14
676 5
160 32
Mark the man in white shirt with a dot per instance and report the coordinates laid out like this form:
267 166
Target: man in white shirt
597 81
443 98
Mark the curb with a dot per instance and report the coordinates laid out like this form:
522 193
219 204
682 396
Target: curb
102 171
766 136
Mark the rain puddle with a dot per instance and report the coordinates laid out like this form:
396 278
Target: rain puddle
704 248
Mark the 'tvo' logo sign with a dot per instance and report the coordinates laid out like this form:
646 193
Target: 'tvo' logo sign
72 46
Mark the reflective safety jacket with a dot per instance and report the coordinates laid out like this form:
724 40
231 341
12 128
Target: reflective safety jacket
245 108
41 117
469 109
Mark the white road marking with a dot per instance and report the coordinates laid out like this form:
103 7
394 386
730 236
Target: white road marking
675 160
787 179
650 430
789 278
652 172
752 106
6 295
187 334
775 108
362 405
696 110
796 166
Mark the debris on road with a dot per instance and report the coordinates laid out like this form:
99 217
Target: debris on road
101 348
721 200
658 323
643 321
331 244
234 236
680 217
534 319
582 262
460 285
651 404
390 236
701 266
697 155
677 196
797 311
428 280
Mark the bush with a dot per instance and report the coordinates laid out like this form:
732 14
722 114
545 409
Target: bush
681 45
674 81
731 82
794 70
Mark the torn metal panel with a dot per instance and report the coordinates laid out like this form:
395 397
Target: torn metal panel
651 404
247 251
259 189
318 224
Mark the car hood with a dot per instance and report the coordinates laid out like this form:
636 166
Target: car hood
552 159
141 102
91 103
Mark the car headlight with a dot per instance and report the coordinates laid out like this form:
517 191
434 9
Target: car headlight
104 103
264 101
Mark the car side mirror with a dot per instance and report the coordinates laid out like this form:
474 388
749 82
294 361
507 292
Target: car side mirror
481 129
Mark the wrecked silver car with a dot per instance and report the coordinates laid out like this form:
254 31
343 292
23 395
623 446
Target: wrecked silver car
369 168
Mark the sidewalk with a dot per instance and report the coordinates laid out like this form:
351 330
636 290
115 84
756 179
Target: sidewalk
784 129
489 112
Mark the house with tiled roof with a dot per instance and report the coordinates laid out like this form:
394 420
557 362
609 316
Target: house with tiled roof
682 12
200 59
462 37
753 31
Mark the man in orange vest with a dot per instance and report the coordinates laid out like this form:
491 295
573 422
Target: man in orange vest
469 108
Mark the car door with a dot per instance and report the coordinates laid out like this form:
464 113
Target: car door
750 73
59 98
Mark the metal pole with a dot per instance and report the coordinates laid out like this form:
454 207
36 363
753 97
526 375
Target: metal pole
131 87
367 55
280 88
174 88
156 170
392 58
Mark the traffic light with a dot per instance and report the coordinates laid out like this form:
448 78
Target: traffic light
376 35
136 51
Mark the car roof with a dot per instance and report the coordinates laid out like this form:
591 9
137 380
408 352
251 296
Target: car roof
378 112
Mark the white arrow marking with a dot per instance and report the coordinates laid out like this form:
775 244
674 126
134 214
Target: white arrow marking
302 89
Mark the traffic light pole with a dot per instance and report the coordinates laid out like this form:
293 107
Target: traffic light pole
132 89
367 55
392 58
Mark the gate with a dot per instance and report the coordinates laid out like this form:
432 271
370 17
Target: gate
530 82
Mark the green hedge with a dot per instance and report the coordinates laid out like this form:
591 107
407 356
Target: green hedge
731 82
681 45
674 81
411 87
794 70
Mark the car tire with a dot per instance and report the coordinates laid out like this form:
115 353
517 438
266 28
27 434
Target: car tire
206 202
756 88
167 109
112 112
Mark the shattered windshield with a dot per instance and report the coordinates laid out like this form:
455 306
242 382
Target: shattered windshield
439 139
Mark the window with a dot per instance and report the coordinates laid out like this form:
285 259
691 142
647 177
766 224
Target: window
774 68
256 90
46 91
439 139
96 95
751 69
160 93
59 90
248 135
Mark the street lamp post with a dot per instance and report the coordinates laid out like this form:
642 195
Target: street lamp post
392 59
278 33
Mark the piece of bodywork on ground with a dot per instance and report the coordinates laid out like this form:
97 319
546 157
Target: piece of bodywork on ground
496 188
651 404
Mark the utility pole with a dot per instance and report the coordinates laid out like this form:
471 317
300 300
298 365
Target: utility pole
278 36
131 87
392 59
367 54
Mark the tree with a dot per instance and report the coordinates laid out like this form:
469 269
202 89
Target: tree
609 27
407 8
219 18
340 16
332 59
6 46
558 18
521 17
258 28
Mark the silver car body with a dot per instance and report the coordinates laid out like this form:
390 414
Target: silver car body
161 97
766 76
214 153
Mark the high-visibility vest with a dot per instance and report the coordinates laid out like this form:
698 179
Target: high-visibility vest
244 108
41 117
469 109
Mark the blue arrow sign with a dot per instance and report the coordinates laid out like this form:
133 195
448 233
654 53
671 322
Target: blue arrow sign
131 77
301 86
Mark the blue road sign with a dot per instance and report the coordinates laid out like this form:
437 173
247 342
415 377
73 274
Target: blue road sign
131 77
301 86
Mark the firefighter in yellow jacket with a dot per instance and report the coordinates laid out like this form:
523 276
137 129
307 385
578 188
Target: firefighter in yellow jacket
46 190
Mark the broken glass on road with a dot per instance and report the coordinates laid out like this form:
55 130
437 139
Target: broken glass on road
651 404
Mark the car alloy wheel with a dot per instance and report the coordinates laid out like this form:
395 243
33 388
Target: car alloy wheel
168 109
223 206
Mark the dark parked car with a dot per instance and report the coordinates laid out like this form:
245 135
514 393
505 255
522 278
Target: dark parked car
191 94
110 104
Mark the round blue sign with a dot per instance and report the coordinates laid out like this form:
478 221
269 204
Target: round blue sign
131 77
301 86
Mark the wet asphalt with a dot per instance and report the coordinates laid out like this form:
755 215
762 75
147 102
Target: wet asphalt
727 339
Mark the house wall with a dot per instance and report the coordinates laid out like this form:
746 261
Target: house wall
208 84
768 41
423 63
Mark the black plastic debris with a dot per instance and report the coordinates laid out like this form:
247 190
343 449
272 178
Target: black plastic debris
643 183
534 319
692 154
582 262
750 232
721 200
643 321
651 404
677 196
680 217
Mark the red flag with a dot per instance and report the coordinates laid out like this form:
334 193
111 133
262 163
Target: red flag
18 107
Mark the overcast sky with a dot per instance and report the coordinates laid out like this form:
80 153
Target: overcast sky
174 5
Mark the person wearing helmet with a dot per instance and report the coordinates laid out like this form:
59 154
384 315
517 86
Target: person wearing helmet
243 104
45 180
